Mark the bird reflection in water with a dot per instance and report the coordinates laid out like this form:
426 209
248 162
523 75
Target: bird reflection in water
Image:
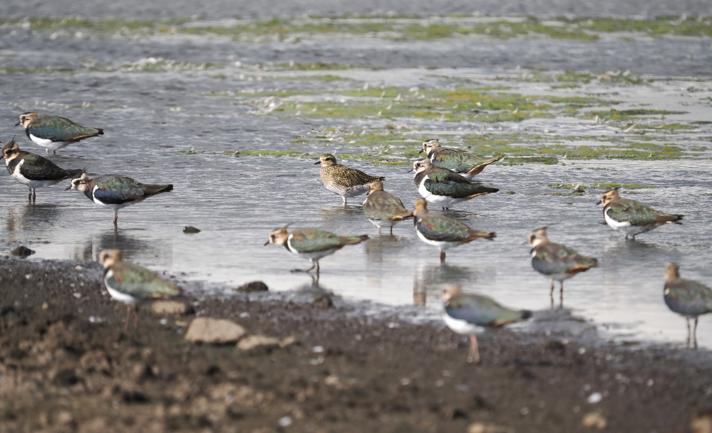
430 279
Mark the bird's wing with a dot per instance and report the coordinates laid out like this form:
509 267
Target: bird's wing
36 167
117 189
140 282
314 240
441 228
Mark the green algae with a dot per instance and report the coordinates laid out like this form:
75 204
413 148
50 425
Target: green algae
582 187
630 114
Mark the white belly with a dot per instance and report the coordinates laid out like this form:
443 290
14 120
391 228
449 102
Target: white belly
31 183
440 200
121 297
442 245
47 143
624 226
461 326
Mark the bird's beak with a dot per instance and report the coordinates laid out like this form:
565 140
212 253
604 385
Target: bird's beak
17 124
68 188
421 151
317 163
266 243
598 203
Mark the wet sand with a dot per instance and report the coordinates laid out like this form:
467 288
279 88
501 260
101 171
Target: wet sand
66 364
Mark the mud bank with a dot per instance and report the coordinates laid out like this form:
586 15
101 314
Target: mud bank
67 364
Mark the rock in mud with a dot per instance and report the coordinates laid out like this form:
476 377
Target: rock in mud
253 286
190 230
214 331
594 420
264 342
485 427
22 251
170 308
323 301
702 423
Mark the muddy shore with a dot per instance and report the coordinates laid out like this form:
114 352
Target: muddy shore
67 364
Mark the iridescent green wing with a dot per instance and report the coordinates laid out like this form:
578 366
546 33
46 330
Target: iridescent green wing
441 228
113 189
634 212
314 241
58 128
140 282
37 167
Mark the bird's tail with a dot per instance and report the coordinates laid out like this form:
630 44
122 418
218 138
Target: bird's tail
482 190
403 216
477 169
671 218
353 240
584 264
477 234
73 173
99 131
157 189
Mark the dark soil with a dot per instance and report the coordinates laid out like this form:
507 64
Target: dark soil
67 364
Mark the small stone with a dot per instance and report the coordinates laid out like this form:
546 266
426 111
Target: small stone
170 308
594 398
701 423
214 331
253 286
484 427
190 230
22 251
594 420
65 417
258 342
323 302
285 421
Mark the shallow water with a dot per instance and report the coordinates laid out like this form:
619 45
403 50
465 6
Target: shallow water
179 124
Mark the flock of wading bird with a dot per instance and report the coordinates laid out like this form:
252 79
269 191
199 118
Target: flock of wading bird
444 177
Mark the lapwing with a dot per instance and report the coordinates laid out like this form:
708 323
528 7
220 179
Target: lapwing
556 261
116 191
687 298
382 208
130 284
469 314
442 231
457 160
443 187
33 170
54 132
311 244
633 217
342 180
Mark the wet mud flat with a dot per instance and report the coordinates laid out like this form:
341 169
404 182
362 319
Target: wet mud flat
67 364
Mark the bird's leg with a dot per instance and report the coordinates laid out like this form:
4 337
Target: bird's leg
116 218
343 199
314 265
561 295
391 230
379 230
128 317
474 356
694 334
551 294
29 196
689 332
34 195
442 256
134 310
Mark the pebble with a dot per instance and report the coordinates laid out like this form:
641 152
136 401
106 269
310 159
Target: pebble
169 308
253 286
285 421
594 398
215 331
594 420
189 230
22 251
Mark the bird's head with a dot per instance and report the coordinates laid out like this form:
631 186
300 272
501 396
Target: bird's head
672 272
109 258
326 160
27 118
376 185
421 165
609 197
80 184
10 150
538 237
420 208
278 236
429 145
450 292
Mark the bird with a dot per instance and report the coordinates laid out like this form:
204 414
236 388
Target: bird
311 243
54 132
687 298
33 170
469 314
457 160
130 284
115 191
556 261
442 231
444 187
342 180
382 208
632 217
